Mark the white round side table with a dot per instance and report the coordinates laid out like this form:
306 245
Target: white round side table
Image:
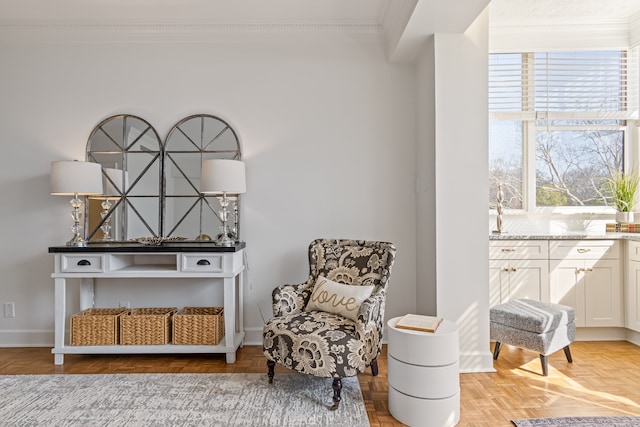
424 375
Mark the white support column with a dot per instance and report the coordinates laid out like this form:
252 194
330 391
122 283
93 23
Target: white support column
461 158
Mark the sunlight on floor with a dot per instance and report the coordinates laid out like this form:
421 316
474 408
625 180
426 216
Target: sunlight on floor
562 386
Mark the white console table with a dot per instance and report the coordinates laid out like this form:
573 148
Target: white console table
181 260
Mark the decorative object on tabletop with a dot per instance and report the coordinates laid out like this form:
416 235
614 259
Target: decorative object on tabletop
624 227
499 199
74 178
418 322
223 177
157 240
623 192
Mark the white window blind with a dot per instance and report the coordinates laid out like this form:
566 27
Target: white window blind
563 85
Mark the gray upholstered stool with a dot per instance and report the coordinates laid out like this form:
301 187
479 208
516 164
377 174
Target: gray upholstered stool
533 325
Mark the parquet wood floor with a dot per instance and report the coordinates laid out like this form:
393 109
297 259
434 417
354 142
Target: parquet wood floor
603 380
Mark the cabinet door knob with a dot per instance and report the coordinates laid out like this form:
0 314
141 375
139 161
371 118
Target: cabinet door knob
583 250
84 262
508 250
513 269
204 262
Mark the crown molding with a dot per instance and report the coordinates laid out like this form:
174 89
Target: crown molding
91 32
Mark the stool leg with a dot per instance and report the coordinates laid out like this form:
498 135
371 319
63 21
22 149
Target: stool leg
567 352
543 360
496 350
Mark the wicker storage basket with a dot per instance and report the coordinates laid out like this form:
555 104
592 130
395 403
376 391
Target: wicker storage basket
198 326
146 326
96 326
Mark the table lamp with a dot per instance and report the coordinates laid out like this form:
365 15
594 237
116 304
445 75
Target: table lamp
223 177
74 178
115 189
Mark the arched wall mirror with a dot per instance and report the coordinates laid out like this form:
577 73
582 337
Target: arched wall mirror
152 189
130 152
192 140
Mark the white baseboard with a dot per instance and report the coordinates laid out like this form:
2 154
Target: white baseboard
26 338
476 362
601 334
633 337
252 336
471 362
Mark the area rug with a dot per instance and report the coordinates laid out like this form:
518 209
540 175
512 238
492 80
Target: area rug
580 422
177 400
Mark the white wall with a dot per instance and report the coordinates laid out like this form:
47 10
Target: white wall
328 135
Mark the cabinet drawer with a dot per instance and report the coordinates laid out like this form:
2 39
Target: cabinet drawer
518 249
584 249
82 263
194 263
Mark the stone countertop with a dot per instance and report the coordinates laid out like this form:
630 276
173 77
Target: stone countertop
566 236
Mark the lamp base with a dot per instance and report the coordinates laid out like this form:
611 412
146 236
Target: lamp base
224 240
76 215
78 243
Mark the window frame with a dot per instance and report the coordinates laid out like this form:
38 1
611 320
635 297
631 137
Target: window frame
528 117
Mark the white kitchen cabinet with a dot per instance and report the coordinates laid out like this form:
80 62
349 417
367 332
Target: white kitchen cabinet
518 269
512 279
586 275
632 297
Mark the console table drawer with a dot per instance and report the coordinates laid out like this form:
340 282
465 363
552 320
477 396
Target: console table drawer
202 263
82 263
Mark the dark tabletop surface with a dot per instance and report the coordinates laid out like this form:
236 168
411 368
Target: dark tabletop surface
183 246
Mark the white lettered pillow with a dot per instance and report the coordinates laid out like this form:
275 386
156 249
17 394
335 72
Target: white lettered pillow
337 298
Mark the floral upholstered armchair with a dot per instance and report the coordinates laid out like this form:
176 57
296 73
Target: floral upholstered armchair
331 325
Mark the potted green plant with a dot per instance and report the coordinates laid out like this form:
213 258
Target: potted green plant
623 191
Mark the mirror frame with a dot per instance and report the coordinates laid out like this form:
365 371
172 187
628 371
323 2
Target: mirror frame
202 146
206 206
122 147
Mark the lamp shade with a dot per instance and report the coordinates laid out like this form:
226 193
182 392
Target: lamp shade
223 176
115 187
70 177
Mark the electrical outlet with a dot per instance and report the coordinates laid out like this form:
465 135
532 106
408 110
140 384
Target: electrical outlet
9 309
124 304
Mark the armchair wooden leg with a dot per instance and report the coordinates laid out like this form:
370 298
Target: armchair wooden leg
374 367
271 365
567 352
337 387
543 362
496 350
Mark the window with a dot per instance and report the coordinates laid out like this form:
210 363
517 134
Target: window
558 124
